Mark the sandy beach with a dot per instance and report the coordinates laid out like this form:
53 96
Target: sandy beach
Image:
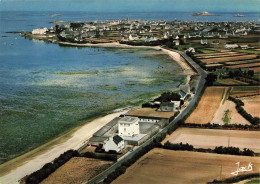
174 55
15 169
76 140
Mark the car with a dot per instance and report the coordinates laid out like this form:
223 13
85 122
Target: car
131 150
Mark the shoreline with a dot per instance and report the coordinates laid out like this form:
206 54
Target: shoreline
38 157
74 139
174 55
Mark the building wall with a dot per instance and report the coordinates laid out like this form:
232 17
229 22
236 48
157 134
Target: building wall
111 145
149 120
128 126
128 129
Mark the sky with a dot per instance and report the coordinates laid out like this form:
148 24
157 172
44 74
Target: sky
132 5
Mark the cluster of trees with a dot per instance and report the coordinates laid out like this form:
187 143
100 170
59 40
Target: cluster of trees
180 146
241 110
151 105
233 151
247 76
239 73
225 126
237 178
168 96
199 62
210 79
218 150
47 169
164 97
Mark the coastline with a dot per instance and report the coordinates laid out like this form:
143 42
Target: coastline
174 55
19 167
35 159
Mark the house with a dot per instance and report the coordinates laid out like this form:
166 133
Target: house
230 46
115 143
40 31
184 91
133 37
167 107
191 49
185 88
176 42
243 47
128 126
203 41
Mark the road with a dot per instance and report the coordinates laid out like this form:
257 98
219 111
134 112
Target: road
200 85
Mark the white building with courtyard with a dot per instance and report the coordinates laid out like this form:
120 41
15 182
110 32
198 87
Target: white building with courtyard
128 126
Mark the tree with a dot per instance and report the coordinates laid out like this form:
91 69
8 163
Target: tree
211 77
251 73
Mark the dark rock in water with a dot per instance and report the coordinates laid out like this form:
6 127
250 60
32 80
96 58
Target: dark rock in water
203 14
15 32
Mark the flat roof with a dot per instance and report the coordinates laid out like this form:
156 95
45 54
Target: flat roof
129 119
106 128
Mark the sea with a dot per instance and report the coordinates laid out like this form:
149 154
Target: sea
47 90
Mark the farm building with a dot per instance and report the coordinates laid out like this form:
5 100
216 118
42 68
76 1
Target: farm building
230 46
170 106
128 126
115 143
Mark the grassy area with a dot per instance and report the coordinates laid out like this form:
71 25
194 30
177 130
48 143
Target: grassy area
248 51
244 40
246 88
205 51
254 181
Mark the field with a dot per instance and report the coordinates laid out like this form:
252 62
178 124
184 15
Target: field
151 112
210 138
225 59
243 62
245 65
228 82
208 105
232 59
224 52
256 69
252 105
242 91
77 170
228 54
233 116
167 166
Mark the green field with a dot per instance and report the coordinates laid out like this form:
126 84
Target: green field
254 181
248 51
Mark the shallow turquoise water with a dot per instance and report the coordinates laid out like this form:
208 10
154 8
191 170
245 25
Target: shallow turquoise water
47 90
